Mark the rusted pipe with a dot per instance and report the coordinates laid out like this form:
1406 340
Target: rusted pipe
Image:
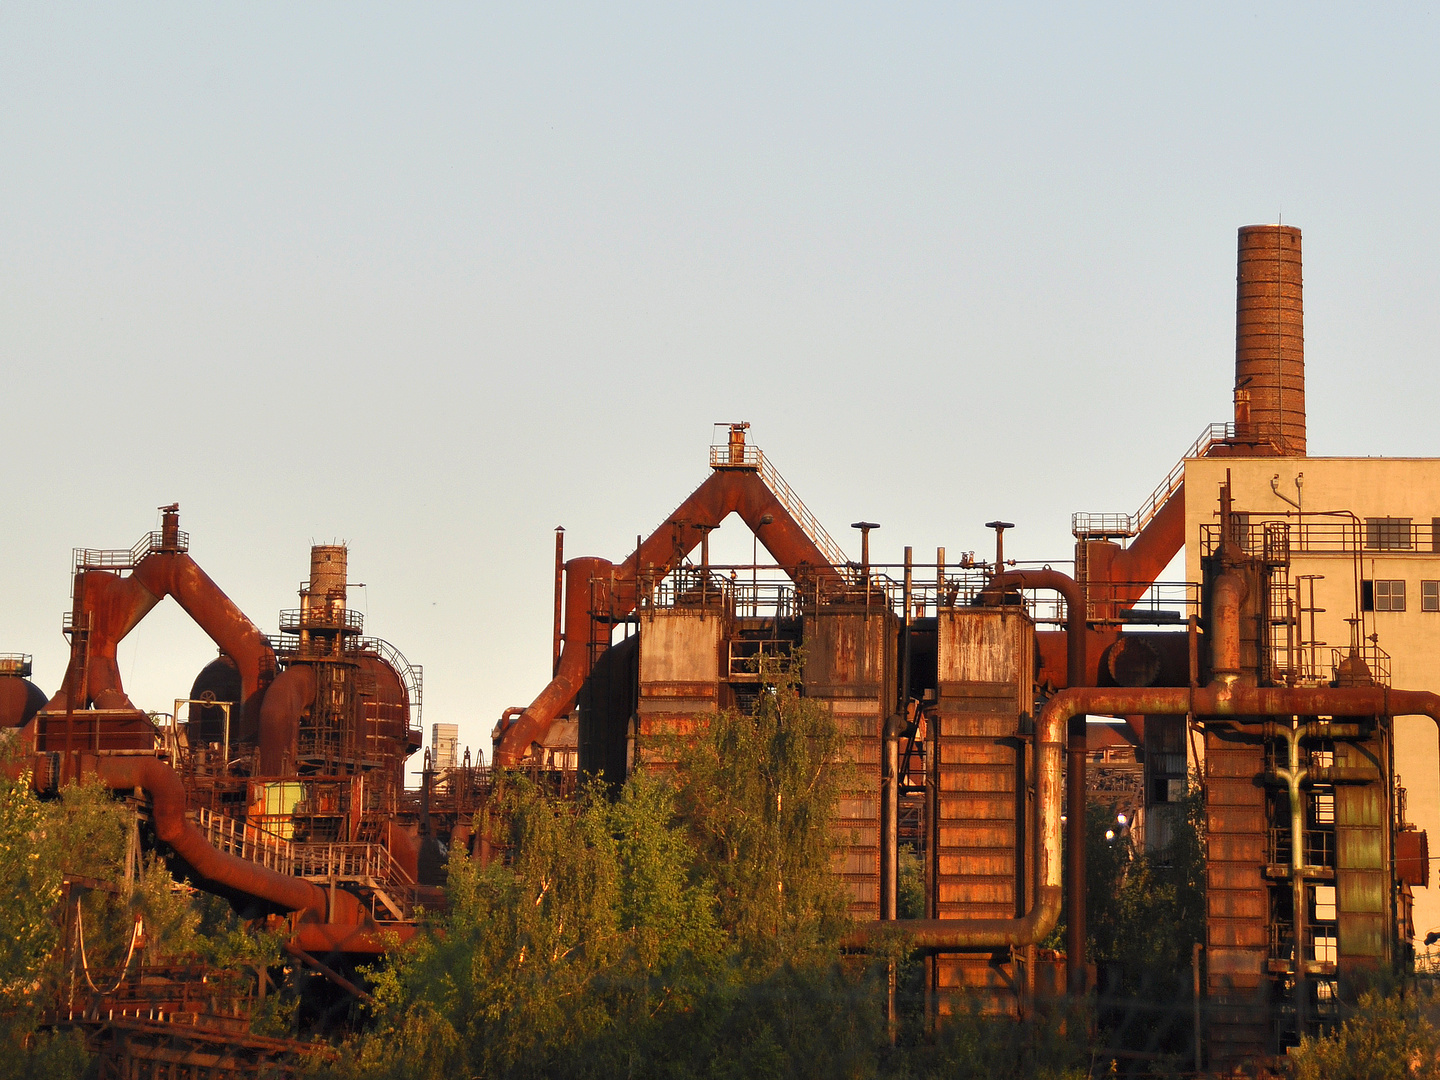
218 870
726 491
1227 598
329 973
559 634
292 692
1044 913
1076 670
114 605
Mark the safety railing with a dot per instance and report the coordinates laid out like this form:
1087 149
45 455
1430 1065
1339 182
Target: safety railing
750 660
151 542
1302 536
16 664
1375 659
1089 526
350 862
749 456
247 841
293 620
412 676
1318 847
369 865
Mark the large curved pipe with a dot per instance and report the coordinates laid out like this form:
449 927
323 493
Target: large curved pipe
217 869
292 692
725 492
583 577
1076 668
115 605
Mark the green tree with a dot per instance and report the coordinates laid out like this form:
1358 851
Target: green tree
759 792
1387 1038
594 926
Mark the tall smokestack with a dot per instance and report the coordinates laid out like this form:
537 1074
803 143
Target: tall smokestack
1270 340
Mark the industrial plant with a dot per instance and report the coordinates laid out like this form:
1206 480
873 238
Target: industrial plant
987 706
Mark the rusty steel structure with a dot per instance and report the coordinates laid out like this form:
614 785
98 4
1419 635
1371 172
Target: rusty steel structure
277 782
961 688
963 692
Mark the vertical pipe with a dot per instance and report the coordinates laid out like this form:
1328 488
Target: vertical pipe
225 745
559 596
1293 777
1075 853
1195 998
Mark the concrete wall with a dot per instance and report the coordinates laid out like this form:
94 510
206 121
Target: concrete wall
1366 487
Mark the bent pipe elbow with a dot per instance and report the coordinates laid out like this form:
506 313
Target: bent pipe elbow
214 867
959 935
1037 923
535 721
292 692
1076 658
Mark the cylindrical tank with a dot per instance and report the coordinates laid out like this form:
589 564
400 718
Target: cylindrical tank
1270 339
327 570
218 680
20 700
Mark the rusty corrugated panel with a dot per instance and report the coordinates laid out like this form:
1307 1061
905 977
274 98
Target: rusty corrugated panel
1362 876
679 680
850 667
981 867
1237 900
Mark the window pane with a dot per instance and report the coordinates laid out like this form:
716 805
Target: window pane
1430 596
1388 534
1389 595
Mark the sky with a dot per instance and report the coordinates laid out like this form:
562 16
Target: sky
433 279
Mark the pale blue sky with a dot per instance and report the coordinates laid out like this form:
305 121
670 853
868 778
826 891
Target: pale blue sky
434 279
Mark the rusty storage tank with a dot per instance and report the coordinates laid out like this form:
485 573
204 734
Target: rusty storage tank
1270 339
218 681
20 699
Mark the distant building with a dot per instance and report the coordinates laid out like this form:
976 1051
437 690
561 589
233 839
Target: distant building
445 745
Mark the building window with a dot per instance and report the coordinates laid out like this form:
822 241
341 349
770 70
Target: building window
1388 534
1389 595
1430 596
1324 903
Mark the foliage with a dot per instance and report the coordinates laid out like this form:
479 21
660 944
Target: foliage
87 835
910 886
1388 1036
972 1046
758 792
1146 910
594 925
